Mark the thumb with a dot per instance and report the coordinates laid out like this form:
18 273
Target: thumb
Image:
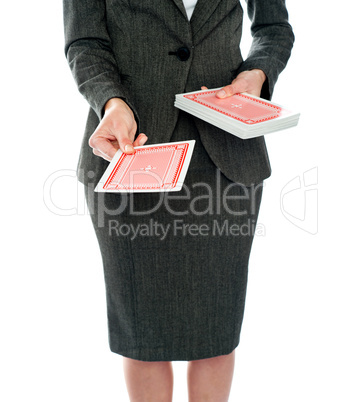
126 146
236 87
125 139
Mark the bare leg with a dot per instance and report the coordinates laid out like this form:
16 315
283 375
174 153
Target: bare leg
148 381
210 379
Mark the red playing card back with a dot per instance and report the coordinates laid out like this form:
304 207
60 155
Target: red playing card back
241 107
149 168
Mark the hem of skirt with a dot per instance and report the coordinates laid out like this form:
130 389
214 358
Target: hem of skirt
153 355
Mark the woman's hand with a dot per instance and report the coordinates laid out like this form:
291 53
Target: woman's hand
250 82
116 131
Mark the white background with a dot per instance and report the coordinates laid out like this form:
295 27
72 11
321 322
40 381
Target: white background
300 336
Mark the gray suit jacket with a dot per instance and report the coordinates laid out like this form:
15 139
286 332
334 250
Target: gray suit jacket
130 49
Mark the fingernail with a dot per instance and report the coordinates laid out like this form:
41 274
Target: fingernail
221 94
129 148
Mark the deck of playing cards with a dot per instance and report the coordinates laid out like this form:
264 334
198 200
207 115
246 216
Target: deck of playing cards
243 115
152 168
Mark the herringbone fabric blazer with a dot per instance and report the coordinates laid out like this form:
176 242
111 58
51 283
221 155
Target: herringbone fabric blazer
130 49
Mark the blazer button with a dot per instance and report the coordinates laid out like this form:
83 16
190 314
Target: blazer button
183 53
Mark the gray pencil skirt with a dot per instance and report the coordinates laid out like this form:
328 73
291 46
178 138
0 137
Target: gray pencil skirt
176 264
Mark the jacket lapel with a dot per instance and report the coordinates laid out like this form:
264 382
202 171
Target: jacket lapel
181 7
202 12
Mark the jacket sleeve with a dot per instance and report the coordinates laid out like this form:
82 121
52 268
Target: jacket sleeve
89 53
273 39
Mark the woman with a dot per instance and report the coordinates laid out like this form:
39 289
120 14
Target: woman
175 264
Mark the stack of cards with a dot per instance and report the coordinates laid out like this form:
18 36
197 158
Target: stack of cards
152 168
243 115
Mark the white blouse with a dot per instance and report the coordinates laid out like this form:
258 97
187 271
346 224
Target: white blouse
189 6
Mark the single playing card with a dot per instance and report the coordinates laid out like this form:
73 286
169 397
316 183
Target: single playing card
152 168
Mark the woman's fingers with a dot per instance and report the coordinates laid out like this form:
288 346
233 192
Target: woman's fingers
103 145
250 82
106 146
239 85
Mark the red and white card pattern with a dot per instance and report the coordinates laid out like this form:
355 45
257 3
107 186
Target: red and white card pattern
152 168
243 115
